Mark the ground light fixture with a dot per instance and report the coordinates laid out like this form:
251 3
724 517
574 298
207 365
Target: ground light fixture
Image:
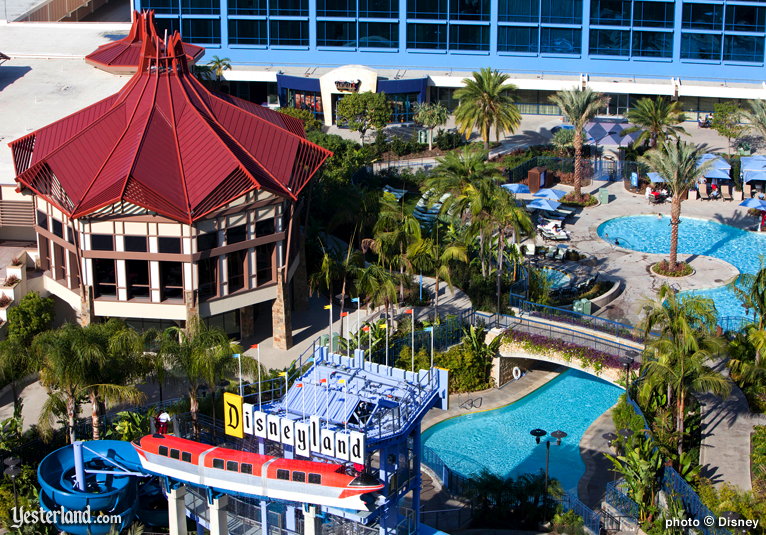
538 434
13 470
610 438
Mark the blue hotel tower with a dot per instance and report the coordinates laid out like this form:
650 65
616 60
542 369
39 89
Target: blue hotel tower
699 52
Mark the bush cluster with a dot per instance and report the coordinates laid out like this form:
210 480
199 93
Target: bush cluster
663 268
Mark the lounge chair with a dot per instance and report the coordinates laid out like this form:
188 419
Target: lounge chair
703 192
561 253
529 250
551 252
728 194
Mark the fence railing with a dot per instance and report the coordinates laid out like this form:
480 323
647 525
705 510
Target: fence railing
734 323
617 497
674 484
446 334
591 519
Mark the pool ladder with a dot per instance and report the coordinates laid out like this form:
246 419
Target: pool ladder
470 403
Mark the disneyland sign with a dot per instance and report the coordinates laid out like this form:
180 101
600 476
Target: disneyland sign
349 86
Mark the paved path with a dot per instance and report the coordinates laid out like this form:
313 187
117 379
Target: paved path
598 469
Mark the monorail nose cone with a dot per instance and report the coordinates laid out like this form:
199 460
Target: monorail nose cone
365 479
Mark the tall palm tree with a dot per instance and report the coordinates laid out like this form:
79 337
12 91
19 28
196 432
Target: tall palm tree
657 119
377 285
218 66
756 114
751 289
677 163
579 106
428 255
486 102
677 360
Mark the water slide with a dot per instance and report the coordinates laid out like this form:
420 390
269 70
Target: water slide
109 481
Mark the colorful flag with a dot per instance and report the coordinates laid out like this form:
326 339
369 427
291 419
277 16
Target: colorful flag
323 380
343 314
354 299
283 374
408 311
327 307
366 328
254 346
299 385
341 381
428 329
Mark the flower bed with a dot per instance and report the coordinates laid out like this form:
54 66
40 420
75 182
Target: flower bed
663 268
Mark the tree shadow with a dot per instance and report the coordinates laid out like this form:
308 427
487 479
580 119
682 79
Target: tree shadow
11 73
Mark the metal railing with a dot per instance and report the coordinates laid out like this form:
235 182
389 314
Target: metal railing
673 483
591 519
446 334
617 497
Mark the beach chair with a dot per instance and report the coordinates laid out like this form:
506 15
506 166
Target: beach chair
703 192
551 252
728 194
529 250
561 253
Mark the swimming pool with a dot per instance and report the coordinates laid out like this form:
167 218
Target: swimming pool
651 234
499 440
558 279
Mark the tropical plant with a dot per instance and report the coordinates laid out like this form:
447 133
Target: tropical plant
486 102
218 66
756 114
751 290
677 163
378 286
430 115
657 119
362 111
32 315
17 360
474 341
579 106
727 121
310 122
129 426
568 523
563 141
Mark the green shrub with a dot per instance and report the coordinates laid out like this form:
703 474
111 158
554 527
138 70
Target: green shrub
663 268
448 140
310 122
569 523
625 416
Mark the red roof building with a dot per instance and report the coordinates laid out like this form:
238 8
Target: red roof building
166 200
123 56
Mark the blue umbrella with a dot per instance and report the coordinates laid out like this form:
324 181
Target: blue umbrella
720 174
655 177
516 189
754 203
544 204
549 193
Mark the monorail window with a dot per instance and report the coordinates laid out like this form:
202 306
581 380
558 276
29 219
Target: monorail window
232 466
163 451
186 456
315 479
246 468
283 474
218 463
175 454
299 477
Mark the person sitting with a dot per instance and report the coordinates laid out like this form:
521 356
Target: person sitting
648 193
664 192
715 193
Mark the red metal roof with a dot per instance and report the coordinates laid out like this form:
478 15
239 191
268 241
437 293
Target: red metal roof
166 143
123 56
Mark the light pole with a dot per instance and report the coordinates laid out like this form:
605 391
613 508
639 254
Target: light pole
628 365
13 470
258 349
538 434
358 325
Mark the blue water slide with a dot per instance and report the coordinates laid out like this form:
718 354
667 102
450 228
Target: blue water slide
108 490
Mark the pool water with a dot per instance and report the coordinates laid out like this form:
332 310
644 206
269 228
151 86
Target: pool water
499 440
558 279
651 234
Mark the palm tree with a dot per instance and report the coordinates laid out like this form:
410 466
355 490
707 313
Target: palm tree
378 285
751 289
656 119
757 115
16 362
677 163
430 115
218 66
428 255
486 102
677 360
579 106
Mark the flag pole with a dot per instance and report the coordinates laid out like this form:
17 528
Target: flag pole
358 325
239 359
386 339
258 349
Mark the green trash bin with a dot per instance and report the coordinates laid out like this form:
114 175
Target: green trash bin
586 306
577 306
603 196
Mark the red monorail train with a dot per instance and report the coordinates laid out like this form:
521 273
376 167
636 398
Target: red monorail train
252 474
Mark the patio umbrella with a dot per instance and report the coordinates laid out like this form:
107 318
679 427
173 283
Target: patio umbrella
655 177
720 174
544 204
754 203
717 162
516 189
753 174
550 193
609 133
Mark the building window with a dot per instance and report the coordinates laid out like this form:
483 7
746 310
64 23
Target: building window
402 106
137 274
336 33
427 36
135 244
57 228
427 9
42 220
383 9
200 7
745 48
701 46
204 31
519 11
289 33
702 16
171 280
236 270
247 32
653 44
561 12
468 37
289 8
610 42
560 40
101 242
59 263
169 245
263 263
517 39
745 18
207 274
166 7
469 9
610 12
378 35
236 234
247 7
336 8
283 474
305 100
104 277
265 227
166 24
654 14
445 96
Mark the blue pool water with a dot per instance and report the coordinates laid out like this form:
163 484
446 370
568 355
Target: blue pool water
499 440
558 279
651 234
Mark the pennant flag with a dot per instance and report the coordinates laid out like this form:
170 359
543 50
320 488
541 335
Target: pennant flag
299 385
354 299
384 326
341 381
343 314
366 328
327 307
428 329
323 380
254 346
283 374
236 355
408 311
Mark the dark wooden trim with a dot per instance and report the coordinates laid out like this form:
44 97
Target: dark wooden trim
247 244
241 292
55 239
276 200
147 256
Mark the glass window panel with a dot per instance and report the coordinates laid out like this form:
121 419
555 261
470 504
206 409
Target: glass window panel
42 220
560 40
171 280
336 8
200 7
247 7
206 241
247 32
445 96
517 39
562 12
611 12
701 46
653 44
745 18
299 477
218 463
289 33
427 36
302 100
743 48
427 9
519 10
469 9
378 35
206 31
336 34
169 25
610 42
169 7
237 264
105 278
703 16
264 256
379 8
100 242
402 106
207 275
58 230
135 244
264 227
465 37
137 275
236 234
653 14
289 8
169 245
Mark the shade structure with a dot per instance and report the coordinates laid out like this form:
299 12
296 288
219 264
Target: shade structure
754 203
167 144
720 174
123 56
753 174
609 133
655 177
550 193
516 189
544 204
716 161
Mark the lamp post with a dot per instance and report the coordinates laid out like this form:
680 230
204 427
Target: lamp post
258 349
628 365
13 470
538 434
